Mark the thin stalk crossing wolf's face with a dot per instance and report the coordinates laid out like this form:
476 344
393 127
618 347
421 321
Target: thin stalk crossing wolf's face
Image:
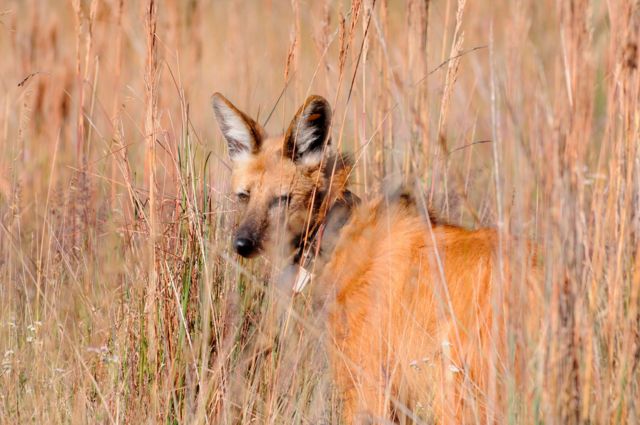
283 183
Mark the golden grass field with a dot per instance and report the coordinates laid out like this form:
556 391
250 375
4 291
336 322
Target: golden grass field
121 300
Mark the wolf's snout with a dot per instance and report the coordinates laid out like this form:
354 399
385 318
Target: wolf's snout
245 244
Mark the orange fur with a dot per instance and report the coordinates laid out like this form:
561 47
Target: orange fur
398 334
408 303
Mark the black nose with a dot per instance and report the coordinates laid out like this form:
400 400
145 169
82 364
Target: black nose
245 246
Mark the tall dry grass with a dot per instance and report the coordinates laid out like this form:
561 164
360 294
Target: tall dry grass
120 299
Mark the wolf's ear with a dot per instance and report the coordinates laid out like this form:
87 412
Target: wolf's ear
309 131
243 134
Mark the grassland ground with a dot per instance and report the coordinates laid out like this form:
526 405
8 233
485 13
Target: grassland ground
121 300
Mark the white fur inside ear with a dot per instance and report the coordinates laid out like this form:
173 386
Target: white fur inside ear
240 157
235 130
311 159
306 133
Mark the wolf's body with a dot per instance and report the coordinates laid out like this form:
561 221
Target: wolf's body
408 300
411 314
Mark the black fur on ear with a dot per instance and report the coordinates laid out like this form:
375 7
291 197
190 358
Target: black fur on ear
308 132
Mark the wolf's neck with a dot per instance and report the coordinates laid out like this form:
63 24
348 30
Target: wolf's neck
316 250
335 204
335 173
336 219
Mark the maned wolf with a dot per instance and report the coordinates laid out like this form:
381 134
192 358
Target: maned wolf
409 315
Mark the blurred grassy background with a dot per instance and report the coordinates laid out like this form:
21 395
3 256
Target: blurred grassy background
120 300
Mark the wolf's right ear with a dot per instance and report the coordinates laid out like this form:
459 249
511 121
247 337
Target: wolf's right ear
309 131
242 133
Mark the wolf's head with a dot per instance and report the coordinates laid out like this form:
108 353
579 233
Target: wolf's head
283 185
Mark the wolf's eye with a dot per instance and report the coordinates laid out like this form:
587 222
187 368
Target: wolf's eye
243 196
278 201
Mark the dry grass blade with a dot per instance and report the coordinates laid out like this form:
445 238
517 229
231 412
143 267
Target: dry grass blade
121 300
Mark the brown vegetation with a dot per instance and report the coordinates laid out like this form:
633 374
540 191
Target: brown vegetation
121 300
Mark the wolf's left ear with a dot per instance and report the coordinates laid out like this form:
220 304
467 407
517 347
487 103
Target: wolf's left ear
244 135
309 131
